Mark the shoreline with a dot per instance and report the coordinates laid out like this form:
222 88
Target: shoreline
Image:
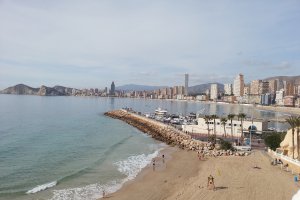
185 177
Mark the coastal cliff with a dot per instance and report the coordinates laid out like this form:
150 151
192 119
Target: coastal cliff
157 130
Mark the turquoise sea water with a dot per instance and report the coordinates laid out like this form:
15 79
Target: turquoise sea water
67 145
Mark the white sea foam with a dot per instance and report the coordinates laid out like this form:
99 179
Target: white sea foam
129 167
41 187
134 164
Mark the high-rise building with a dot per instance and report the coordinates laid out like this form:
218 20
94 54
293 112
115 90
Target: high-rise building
175 90
214 91
254 87
246 90
289 88
279 97
266 99
228 89
238 85
280 84
264 87
273 86
181 90
298 90
112 88
186 84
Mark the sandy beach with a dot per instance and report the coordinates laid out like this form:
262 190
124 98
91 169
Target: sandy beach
183 176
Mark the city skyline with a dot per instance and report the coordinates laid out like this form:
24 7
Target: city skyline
148 43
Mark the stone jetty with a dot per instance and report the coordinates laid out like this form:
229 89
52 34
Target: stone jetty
169 134
158 131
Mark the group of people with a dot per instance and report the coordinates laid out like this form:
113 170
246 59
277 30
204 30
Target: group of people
201 155
153 161
277 161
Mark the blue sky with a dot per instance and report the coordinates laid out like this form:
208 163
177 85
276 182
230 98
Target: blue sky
90 43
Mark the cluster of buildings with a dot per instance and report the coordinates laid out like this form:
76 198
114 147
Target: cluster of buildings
97 92
271 92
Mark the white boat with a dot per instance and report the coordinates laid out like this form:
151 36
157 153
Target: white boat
160 112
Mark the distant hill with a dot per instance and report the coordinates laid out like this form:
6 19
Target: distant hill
199 89
133 87
296 79
22 89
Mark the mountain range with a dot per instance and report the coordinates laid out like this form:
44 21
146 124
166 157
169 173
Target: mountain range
295 79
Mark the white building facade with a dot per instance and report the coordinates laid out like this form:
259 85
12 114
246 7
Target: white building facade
228 89
280 97
202 128
214 91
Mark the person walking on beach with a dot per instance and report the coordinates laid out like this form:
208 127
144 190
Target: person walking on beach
163 157
103 193
210 183
153 164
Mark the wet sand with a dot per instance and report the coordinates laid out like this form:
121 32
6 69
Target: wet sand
184 177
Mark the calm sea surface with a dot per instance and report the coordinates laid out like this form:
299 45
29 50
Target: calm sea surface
66 145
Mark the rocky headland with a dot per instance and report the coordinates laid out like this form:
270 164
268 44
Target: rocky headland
22 89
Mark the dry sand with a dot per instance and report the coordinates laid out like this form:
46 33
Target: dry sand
185 177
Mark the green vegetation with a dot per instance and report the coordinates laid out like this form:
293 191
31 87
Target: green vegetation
241 117
225 145
223 122
207 119
231 117
273 140
212 139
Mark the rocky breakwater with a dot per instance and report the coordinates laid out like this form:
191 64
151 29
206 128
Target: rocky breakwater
158 130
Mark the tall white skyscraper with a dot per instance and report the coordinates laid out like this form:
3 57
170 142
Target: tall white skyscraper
186 84
238 86
214 91
228 89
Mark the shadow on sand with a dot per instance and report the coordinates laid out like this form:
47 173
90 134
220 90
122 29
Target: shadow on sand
221 188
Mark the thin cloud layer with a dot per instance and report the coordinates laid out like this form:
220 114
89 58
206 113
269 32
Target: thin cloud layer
91 43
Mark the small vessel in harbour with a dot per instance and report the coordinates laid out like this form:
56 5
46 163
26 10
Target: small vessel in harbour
160 112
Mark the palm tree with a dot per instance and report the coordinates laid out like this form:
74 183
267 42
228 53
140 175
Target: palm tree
214 117
231 117
207 119
242 116
223 122
297 124
292 122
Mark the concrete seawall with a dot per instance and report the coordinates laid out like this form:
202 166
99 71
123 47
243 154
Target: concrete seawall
157 130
